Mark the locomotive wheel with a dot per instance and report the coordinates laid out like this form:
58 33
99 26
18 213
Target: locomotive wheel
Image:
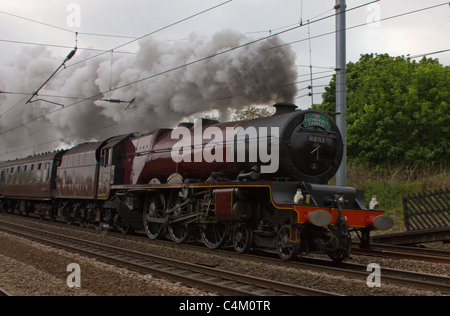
179 232
126 230
69 221
242 238
84 223
286 250
154 209
342 253
122 227
213 235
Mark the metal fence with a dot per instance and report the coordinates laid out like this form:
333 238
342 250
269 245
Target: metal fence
427 210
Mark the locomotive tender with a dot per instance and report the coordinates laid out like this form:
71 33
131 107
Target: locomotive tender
205 181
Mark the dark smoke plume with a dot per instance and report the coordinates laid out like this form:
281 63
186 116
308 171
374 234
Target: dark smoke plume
251 75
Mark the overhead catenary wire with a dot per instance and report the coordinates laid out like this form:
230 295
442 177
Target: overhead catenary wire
365 24
293 27
69 57
64 46
146 78
115 124
154 32
99 95
101 52
64 29
56 140
409 57
110 50
113 49
231 49
282 31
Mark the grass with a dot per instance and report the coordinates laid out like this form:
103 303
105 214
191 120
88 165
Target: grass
392 184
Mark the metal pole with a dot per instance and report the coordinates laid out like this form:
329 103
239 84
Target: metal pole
341 85
310 65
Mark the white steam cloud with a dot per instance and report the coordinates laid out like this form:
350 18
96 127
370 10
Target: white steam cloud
252 75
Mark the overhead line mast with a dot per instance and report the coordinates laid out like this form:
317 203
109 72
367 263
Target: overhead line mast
341 85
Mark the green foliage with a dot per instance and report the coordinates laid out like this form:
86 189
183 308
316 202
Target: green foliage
247 113
398 111
391 184
252 112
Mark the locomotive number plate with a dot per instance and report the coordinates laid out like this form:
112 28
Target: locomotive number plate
317 139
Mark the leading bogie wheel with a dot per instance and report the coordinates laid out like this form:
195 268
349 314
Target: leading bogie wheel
343 252
286 249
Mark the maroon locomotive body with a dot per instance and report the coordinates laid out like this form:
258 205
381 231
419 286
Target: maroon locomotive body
196 151
150 156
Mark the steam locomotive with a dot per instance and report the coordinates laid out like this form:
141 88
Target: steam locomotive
257 184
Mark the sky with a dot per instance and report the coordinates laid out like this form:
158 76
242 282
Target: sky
36 36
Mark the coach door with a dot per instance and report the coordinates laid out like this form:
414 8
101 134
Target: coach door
106 172
2 180
111 165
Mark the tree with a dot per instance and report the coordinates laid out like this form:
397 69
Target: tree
247 113
398 110
252 112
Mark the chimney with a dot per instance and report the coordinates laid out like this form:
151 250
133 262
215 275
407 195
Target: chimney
283 108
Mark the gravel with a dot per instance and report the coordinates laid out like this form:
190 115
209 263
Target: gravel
31 269
28 268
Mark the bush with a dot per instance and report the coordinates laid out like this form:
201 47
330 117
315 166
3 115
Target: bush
398 111
391 184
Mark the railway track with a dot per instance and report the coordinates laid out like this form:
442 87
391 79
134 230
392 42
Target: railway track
397 252
437 283
194 275
404 278
3 292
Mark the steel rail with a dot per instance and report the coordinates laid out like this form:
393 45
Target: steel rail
195 275
3 292
352 270
401 254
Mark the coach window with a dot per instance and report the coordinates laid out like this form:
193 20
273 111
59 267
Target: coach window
46 172
102 158
10 176
110 154
2 177
17 176
106 157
